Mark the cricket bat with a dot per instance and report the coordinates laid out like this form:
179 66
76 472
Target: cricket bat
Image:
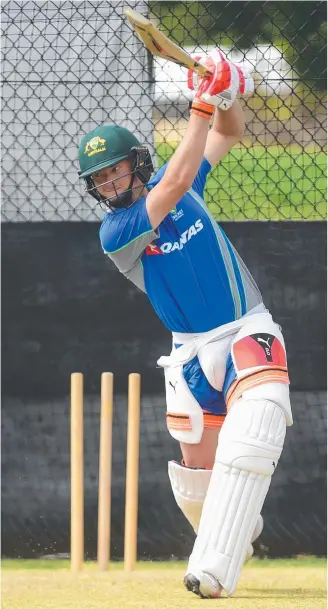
161 46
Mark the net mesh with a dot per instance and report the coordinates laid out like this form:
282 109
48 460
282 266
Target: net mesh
70 66
66 68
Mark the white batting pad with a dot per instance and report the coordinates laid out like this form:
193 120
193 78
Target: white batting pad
249 448
189 488
184 417
258 529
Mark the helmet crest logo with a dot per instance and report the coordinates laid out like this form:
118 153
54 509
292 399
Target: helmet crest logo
95 145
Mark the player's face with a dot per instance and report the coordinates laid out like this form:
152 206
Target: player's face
112 181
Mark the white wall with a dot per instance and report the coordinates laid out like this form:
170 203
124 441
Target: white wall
67 67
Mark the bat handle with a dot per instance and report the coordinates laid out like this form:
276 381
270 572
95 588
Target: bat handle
201 69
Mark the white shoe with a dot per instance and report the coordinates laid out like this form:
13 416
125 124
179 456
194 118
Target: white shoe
204 584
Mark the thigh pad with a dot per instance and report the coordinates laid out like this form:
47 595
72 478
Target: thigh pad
260 366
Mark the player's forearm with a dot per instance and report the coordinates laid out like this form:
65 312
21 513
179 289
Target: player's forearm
180 172
186 160
231 122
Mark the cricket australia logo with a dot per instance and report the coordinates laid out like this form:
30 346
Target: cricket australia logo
175 214
97 144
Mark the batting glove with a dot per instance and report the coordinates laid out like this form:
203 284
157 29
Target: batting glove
221 88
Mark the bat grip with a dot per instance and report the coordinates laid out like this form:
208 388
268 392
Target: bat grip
201 69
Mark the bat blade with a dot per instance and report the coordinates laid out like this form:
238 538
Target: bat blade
161 46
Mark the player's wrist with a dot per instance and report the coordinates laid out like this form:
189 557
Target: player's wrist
201 108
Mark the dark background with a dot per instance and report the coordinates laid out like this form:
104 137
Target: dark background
65 308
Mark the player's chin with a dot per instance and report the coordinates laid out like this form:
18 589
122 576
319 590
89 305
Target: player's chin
110 195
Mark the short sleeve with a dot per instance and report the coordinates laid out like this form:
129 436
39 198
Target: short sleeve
157 177
200 179
125 234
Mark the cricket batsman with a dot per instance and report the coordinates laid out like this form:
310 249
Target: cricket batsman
226 379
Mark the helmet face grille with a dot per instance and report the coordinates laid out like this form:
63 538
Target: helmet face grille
142 167
143 164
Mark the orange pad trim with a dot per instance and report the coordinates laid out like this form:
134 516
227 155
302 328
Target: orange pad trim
180 422
215 421
267 375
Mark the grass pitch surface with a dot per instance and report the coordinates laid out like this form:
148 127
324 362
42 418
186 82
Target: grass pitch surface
265 584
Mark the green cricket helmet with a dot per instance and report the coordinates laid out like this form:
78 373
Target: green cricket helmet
104 147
